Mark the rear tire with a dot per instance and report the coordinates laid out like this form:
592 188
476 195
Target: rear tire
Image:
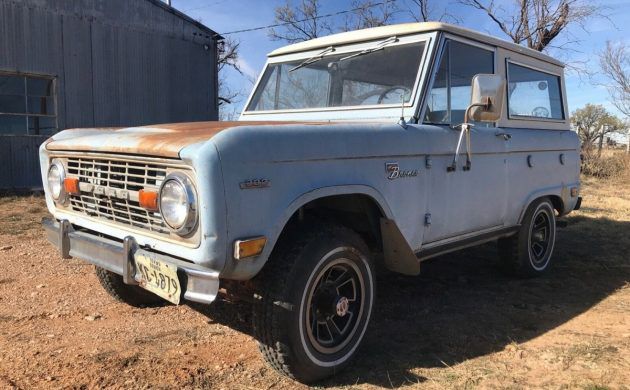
528 253
131 295
315 301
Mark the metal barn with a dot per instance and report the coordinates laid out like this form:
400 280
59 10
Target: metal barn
103 63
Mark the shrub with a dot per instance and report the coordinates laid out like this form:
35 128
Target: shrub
613 165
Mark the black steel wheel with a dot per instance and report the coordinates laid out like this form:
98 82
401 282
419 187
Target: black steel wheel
334 303
529 252
540 237
315 301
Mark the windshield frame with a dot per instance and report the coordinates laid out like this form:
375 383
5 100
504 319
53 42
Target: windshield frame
382 110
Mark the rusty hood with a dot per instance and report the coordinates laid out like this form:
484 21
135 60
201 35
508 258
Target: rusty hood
165 140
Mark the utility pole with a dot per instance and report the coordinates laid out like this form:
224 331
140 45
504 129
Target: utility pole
603 131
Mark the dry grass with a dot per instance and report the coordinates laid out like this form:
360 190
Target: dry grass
21 214
612 164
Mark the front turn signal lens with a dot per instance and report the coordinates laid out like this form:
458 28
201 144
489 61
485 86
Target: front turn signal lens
148 199
71 185
249 247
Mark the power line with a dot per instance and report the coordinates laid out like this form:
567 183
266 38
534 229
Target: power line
307 19
205 6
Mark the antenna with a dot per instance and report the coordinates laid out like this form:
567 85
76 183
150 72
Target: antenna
401 121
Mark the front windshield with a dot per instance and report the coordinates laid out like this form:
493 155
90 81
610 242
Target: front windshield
372 78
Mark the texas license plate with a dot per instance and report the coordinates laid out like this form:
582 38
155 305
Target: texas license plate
159 277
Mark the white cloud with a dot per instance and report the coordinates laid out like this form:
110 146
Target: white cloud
247 69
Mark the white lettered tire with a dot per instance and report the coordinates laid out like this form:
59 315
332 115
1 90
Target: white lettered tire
315 301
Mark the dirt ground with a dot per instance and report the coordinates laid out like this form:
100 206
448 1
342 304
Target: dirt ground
461 324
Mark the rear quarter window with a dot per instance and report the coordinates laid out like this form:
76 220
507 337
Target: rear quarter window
533 94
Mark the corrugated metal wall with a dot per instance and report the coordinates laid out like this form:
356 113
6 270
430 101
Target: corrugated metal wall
19 164
115 63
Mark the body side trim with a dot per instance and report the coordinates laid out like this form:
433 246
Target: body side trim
465 243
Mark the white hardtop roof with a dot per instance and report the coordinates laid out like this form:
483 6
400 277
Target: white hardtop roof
407 29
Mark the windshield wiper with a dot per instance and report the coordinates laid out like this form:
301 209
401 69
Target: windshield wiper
379 46
313 59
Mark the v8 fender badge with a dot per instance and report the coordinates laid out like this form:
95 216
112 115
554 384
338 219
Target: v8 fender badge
394 172
255 183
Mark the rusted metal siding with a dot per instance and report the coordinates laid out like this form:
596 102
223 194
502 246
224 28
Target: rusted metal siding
115 62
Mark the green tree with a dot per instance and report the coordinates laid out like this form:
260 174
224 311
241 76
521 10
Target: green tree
593 123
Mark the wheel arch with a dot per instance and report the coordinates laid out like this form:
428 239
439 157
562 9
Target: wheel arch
360 208
556 199
336 203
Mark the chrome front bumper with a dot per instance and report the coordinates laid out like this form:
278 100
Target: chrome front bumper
201 284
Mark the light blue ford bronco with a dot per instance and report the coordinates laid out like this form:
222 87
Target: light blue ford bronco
393 144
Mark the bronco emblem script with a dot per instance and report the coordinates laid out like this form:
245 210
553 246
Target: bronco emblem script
394 171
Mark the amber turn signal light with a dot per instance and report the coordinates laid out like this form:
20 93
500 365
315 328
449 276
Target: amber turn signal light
249 247
148 199
71 185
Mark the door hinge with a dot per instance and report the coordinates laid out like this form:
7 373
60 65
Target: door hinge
427 219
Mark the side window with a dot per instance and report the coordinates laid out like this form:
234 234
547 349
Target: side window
450 95
533 94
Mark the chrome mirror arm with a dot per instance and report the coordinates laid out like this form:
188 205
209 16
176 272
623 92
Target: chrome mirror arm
465 131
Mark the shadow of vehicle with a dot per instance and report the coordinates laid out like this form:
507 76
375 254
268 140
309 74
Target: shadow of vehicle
462 306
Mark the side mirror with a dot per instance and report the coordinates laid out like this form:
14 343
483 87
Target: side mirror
486 105
486 100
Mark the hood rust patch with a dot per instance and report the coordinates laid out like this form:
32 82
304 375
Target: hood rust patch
164 140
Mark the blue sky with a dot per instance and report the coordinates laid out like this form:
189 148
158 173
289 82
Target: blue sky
229 15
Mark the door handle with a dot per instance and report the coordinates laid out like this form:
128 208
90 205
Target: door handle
506 136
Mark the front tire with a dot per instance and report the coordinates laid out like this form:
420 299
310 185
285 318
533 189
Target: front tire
528 253
131 295
315 301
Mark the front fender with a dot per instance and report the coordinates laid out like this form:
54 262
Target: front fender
248 268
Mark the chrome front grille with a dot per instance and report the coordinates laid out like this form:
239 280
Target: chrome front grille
109 190
126 175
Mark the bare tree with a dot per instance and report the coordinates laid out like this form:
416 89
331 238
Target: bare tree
300 23
228 59
615 64
536 23
370 13
423 11
305 20
228 54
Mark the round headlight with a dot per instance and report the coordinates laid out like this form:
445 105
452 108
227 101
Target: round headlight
178 203
56 175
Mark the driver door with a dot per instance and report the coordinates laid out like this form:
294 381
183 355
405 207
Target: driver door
463 202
